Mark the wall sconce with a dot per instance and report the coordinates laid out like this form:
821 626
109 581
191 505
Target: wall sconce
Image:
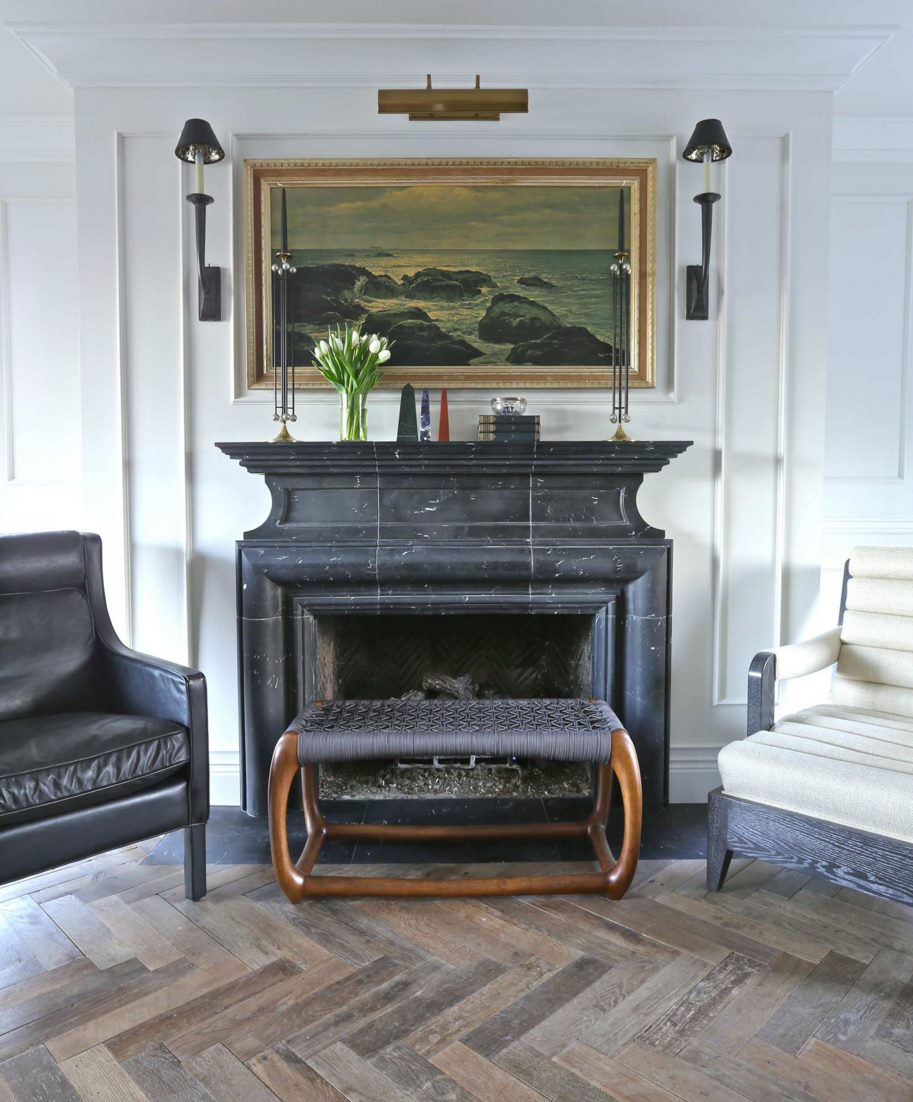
198 145
708 143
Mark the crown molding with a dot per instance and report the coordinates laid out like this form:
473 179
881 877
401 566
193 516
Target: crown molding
809 58
39 139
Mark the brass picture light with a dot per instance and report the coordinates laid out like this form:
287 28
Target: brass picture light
473 104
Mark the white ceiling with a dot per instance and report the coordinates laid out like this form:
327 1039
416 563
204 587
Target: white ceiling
881 85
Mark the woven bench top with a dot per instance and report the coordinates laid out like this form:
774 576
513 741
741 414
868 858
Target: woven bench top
366 730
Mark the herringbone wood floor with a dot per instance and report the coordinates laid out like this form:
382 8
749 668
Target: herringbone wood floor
114 988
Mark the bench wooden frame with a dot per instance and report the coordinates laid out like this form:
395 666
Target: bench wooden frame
298 880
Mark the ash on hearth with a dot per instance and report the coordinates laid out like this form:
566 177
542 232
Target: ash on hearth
441 686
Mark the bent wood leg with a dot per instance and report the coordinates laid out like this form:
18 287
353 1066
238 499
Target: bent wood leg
297 881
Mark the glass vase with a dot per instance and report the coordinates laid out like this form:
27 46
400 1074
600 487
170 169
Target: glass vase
353 415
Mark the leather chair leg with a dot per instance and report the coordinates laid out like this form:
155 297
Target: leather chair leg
195 861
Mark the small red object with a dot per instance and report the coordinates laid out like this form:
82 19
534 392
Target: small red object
443 432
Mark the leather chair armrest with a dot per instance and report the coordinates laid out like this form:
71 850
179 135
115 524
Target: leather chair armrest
138 684
781 664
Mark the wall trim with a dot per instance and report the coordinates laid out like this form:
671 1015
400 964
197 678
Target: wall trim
873 139
135 54
37 140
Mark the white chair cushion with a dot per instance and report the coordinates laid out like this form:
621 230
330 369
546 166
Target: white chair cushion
847 765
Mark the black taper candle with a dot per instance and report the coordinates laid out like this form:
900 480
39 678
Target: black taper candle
621 220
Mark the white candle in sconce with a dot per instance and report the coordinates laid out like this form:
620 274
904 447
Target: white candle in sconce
198 164
708 160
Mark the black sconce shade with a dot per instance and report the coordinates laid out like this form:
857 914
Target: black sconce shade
198 140
198 137
709 136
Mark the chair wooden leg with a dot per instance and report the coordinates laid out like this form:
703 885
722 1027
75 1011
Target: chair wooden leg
297 881
718 855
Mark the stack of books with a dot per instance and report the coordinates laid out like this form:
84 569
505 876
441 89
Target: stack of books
509 428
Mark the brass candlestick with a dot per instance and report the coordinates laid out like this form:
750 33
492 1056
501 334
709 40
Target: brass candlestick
621 323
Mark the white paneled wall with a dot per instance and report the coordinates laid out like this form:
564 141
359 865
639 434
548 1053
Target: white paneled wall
869 453
160 388
40 440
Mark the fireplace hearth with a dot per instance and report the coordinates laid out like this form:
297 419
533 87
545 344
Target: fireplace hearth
527 568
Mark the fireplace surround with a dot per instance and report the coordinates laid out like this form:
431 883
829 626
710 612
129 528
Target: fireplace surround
527 566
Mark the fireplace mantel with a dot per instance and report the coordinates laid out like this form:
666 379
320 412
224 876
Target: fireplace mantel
455 529
529 490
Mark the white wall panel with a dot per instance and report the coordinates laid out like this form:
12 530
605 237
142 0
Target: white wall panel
869 476
150 214
161 387
40 438
42 340
867 338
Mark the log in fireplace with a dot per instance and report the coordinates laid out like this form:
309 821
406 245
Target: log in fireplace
526 567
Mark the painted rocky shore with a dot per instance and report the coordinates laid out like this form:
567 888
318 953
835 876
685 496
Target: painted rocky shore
525 331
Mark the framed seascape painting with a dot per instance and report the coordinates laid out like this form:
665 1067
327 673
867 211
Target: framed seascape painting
483 273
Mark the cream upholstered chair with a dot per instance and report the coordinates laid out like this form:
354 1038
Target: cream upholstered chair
830 789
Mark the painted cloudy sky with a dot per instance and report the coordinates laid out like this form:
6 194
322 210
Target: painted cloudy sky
423 217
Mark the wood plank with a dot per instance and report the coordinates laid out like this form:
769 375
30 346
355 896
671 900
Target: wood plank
98 1077
353 1004
421 1079
740 1076
161 1076
542 1074
481 1078
130 929
34 1076
42 937
91 937
610 1033
700 1005
193 1013
355 1078
611 1076
226 1078
859 1013
547 997
755 1003
561 1028
291 1079
105 1027
441 990
188 939
441 1030
250 1025
812 1001
676 1076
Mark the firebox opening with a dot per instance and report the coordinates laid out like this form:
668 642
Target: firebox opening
487 655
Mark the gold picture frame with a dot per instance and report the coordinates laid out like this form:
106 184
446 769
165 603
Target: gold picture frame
344 215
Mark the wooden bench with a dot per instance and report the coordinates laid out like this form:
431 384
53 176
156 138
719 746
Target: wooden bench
367 730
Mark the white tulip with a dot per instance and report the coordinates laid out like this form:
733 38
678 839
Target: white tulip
374 346
383 356
336 343
324 347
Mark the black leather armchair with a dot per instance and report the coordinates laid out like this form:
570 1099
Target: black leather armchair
100 745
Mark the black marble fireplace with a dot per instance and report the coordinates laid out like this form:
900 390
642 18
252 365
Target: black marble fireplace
526 567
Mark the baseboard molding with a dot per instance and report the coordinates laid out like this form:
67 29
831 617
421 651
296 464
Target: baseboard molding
692 774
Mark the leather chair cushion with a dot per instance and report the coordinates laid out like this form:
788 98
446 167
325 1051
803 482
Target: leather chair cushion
56 763
47 653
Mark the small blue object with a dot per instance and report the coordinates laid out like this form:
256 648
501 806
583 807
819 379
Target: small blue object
425 433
